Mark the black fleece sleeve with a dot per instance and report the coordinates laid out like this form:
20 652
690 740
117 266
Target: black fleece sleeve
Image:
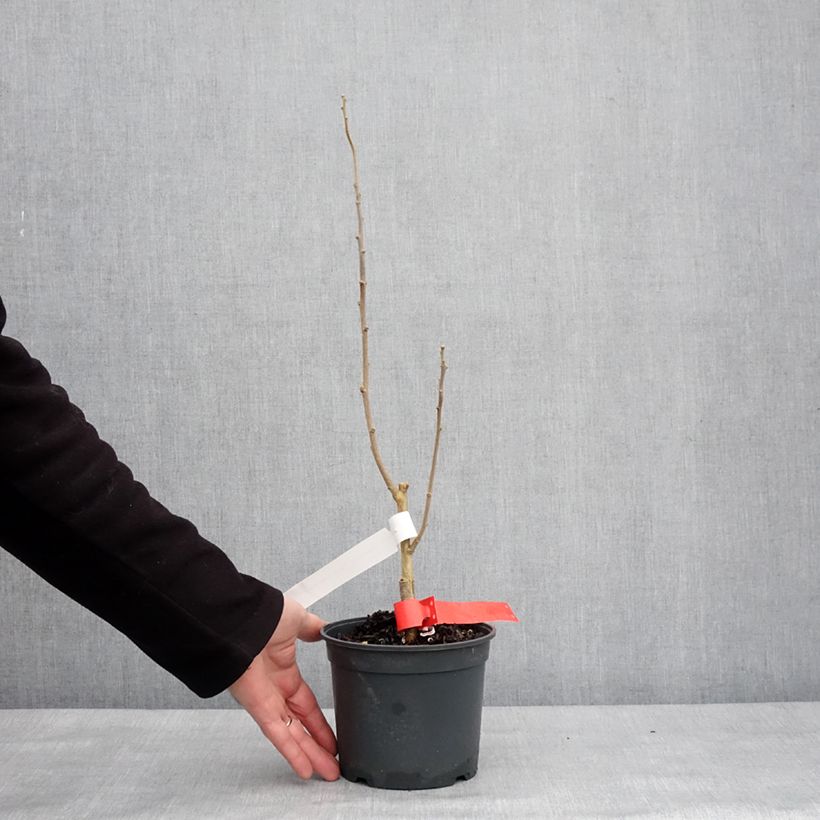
76 516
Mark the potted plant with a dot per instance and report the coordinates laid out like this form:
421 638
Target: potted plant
407 693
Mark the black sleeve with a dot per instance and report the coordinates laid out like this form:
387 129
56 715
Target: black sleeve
76 516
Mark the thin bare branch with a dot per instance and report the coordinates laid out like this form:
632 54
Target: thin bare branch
364 387
428 498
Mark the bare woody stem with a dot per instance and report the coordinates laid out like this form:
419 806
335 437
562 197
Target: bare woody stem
364 388
399 492
428 498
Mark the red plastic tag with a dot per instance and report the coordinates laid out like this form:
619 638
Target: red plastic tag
428 611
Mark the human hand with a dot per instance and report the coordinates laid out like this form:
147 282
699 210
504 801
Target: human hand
274 694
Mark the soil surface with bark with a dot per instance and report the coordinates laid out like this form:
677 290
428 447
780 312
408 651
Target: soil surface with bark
380 628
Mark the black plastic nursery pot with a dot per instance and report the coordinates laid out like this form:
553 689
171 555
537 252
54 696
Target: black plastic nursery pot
407 717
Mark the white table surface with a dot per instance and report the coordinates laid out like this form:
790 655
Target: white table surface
717 761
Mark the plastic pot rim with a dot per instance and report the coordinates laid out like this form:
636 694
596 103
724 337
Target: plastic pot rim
371 647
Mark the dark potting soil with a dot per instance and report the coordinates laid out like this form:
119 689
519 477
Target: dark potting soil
380 628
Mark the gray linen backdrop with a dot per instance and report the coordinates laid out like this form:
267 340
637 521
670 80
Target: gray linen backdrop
608 212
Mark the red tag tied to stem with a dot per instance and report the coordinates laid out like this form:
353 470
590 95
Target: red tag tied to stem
428 611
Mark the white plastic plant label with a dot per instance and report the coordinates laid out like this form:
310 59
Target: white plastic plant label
402 527
355 561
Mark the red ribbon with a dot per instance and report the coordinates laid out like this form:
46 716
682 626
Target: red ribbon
428 611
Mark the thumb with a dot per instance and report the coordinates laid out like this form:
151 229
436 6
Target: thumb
310 627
